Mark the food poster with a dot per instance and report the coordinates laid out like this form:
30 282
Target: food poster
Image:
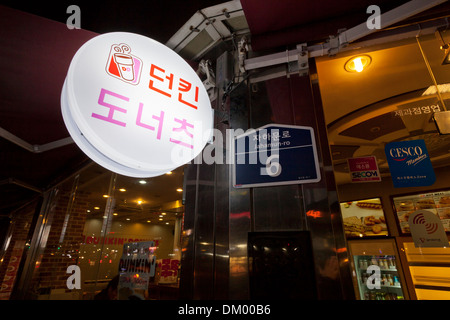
136 267
435 202
364 218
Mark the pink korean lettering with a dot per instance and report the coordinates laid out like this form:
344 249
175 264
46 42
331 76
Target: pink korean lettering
160 120
112 108
183 128
148 119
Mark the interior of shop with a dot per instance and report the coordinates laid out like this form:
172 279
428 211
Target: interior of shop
91 217
391 99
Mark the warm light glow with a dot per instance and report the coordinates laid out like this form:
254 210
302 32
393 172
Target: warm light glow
142 181
358 64
114 214
163 213
139 202
122 189
97 208
180 190
170 172
105 196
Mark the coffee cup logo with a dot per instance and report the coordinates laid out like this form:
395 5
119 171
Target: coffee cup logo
123 65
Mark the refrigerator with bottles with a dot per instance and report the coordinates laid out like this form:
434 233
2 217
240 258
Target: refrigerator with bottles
376 270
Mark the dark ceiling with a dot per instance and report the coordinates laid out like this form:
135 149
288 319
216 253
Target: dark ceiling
156 19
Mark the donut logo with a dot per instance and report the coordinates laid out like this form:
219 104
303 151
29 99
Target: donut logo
123 65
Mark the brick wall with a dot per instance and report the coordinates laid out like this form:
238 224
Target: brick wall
63 243
20 224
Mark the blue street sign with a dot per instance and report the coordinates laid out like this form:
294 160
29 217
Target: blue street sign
410 164
275 155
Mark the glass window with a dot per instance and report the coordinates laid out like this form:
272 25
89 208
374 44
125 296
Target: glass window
89 220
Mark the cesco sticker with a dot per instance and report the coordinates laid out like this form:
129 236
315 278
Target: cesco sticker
135 106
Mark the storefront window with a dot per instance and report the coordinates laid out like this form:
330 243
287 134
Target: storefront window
390 104
429 271
89 220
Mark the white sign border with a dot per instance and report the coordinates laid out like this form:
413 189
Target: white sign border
266 184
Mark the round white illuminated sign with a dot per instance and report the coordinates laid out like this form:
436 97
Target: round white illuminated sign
135 106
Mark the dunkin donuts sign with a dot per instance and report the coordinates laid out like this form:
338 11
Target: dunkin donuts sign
135 106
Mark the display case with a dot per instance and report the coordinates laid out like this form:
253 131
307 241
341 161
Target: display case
364 218
437 202
377 273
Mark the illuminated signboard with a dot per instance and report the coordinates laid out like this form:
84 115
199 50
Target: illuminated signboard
135 106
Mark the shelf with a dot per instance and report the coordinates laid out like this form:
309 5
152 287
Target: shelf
393 269
384 286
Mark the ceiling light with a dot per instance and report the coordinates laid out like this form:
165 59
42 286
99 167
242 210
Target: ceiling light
142 181
139 201
160 219
180 190
170 172
358 63
167 223
128 219
148 221
114 214
122 189
163 213
446 59
105 196
97 208
444 46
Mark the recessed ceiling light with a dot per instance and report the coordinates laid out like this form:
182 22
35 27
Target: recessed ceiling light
170 172
167 223
180 190
97 208
142 181
105 196
114 214
128 219
160 219
163 213
122 189
358 63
